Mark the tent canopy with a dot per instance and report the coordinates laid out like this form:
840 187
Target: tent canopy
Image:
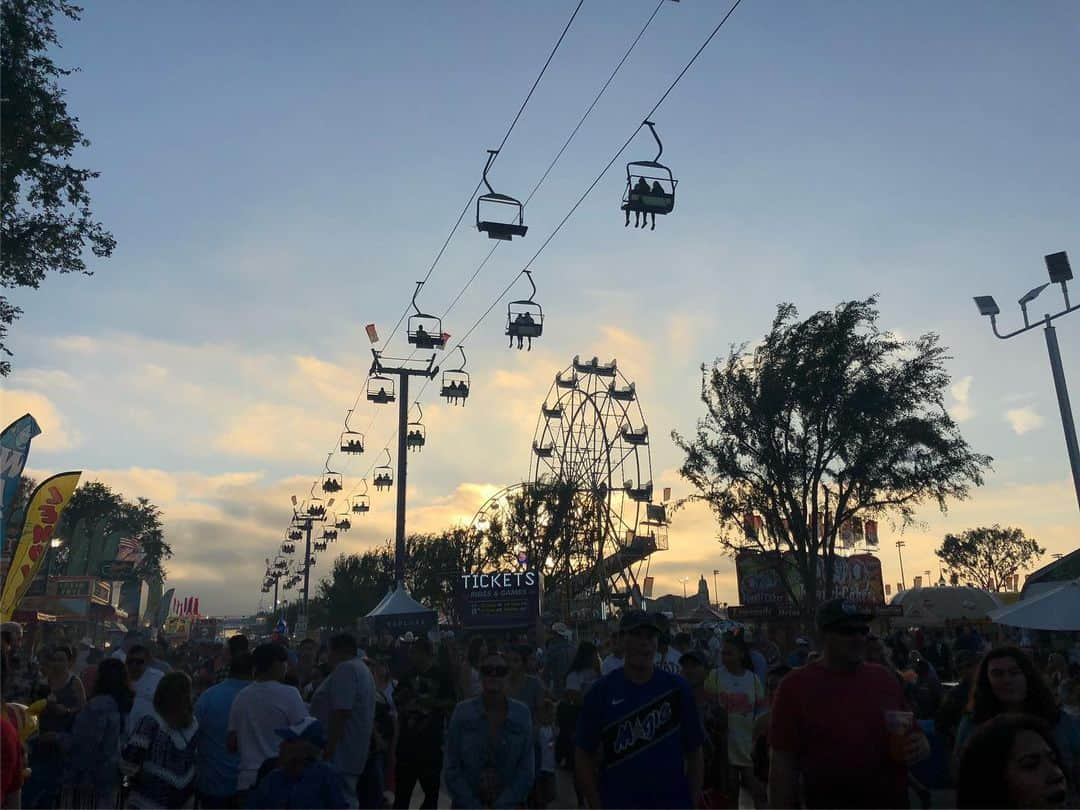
1058 609
933 607
399 613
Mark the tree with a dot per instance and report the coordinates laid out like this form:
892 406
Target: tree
826 420
97 519
44 202
989 556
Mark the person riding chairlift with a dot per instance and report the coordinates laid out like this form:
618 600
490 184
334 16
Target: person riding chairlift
640 187
521 320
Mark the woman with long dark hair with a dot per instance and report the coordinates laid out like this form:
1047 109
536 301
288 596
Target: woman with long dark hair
91 769
1011 761
159 757
1007 681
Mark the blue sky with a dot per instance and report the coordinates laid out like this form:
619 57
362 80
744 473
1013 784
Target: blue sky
279 175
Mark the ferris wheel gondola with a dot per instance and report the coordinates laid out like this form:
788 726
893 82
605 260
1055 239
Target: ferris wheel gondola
424 331
650 187
384 474
351 441
504 231
456 382
525 318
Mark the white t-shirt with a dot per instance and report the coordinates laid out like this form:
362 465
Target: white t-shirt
610 664
581 680
143 704
743 697
257 712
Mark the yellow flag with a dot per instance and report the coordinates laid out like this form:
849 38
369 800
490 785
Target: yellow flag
39 523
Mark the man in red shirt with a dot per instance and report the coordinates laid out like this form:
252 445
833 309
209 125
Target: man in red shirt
828 724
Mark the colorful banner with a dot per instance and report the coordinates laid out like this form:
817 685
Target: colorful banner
871 532
14 448
372 333
847 534
857 577
164 607
42 515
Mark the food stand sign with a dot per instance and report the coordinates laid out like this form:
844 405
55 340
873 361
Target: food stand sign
499 600
856 577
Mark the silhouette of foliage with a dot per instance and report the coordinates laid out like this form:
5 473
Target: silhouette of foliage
826 402
988 555
44 202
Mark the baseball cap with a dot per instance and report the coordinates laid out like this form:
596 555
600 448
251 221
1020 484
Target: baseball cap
633 619
309 729
835 611
693 657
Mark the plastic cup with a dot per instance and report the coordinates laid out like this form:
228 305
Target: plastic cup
898 725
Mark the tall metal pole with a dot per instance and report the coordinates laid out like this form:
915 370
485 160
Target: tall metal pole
899 545
276 581
402 462
1063 403
307 565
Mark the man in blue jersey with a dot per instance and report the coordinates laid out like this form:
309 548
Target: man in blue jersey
639 736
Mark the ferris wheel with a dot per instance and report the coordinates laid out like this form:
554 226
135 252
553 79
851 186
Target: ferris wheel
586 516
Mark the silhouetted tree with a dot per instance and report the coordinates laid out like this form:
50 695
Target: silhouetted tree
826 402
44 202
988 555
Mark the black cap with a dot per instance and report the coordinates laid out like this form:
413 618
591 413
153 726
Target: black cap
836 611
633 619
694 657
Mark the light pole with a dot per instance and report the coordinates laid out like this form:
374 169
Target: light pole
1057 265
899 545
684 580
716 589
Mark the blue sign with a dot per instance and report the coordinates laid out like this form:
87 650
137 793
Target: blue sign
14 448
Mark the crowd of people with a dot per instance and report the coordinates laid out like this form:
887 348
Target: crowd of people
643 716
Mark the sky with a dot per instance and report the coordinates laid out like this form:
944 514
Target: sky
277 176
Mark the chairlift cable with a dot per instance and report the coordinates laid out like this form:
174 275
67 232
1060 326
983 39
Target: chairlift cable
604 171
563 148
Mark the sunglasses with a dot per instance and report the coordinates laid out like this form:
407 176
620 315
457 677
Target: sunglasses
495 672
851 630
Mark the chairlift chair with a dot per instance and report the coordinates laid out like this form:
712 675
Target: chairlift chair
456 382
505 231
650 187
343 523
384 475
380 389
361 503
415 433
424 331
295 534
351 442
318 546
331 481
525 318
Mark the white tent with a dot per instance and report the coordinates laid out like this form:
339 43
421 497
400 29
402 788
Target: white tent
1058 609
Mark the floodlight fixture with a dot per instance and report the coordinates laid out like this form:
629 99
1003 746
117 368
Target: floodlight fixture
987 305
1032 294
1057 265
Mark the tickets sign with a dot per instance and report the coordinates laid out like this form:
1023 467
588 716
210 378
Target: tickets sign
499 600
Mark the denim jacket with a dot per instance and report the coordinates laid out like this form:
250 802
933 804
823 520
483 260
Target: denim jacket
469 753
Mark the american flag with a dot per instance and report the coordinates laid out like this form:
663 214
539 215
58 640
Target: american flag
129 550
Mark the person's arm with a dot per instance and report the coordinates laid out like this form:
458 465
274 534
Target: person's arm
457 783
137 747
783 779
516 793
585 769
695 772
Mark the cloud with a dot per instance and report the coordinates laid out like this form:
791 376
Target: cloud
56 433
961 392
1024 420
